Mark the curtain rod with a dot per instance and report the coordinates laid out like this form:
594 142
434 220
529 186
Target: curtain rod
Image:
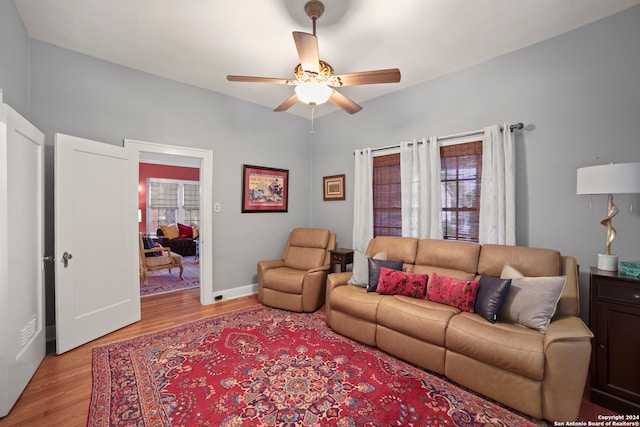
516 126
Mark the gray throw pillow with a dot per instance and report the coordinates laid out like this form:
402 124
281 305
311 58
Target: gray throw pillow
360 273
531 301
374 271
490 297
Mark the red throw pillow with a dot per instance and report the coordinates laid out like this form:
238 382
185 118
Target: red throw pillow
454 292
394 282
185 231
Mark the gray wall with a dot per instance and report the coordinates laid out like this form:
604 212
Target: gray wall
578 94
82 96
14 58
579 97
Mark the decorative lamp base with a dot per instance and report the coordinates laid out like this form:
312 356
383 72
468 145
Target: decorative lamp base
608 262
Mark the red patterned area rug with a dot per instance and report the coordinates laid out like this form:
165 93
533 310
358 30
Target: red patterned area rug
265 367
163 282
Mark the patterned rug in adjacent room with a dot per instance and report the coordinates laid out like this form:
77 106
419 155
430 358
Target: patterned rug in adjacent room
162 282
265 367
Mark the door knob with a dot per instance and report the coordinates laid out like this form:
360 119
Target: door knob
65 259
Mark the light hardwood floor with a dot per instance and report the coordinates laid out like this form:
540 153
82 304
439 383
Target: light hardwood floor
60 392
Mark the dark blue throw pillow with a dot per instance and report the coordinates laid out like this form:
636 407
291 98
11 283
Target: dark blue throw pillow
374 271
148 243
490 297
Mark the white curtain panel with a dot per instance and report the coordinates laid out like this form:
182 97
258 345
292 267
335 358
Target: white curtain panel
363 199
497 191
420 188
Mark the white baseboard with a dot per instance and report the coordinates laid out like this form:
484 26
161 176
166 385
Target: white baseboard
233 293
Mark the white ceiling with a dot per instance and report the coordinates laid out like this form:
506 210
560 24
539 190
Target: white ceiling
199 42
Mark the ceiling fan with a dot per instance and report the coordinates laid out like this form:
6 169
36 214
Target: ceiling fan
314 79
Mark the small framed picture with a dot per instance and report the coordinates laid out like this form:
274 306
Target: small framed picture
264 189
333 187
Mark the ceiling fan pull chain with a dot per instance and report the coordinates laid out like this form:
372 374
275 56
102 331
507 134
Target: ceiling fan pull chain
313 109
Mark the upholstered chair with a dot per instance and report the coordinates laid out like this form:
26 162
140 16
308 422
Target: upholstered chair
157 258
297 281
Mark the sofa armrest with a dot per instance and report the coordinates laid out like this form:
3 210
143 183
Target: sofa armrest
567 349
333 281
321 268
570 328
337 279
269 264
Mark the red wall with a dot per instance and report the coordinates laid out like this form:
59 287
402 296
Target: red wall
148 170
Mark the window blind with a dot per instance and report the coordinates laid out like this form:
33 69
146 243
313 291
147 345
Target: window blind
387 202
461 175
163 195
192 196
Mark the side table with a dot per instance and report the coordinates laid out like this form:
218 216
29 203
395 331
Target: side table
614 318
341 257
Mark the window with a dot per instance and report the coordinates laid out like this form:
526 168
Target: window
387 202
172 201
461 173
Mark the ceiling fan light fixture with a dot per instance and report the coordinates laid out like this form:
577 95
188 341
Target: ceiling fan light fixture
313 93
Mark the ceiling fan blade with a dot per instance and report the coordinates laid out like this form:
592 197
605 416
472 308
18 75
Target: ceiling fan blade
390 75
288 103
307 45
250 79
343 102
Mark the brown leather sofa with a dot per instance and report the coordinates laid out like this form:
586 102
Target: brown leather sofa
539 374
296 282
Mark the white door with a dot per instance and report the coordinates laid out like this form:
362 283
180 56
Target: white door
22 315
96 240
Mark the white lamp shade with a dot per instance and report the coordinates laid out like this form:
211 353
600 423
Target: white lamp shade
313 93
616 178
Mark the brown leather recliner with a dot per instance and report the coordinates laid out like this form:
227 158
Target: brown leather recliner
297 282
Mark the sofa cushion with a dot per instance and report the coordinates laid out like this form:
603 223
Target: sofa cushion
148 243
531 301
185 231
360 272
393 282
451 291
448 254
422 319
310 237
170 231
356 302
403 248
490 297
530 261
304 258
430 269
164 260
284 279
374 271
503 345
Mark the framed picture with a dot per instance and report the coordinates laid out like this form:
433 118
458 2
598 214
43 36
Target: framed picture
333 187
264 189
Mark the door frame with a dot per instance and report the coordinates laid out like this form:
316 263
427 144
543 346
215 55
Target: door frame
206 202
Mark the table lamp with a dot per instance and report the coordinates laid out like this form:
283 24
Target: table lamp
615 178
